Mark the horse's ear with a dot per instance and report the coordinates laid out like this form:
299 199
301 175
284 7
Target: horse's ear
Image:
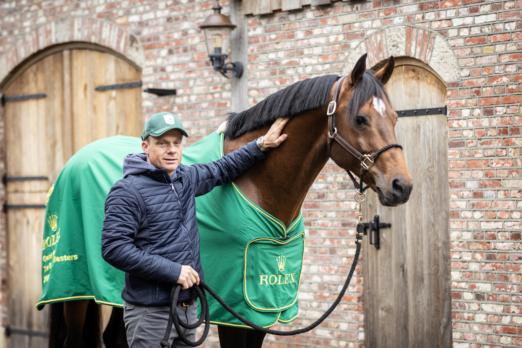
359 69
386 71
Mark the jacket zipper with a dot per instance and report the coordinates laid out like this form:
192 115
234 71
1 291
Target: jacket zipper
191 251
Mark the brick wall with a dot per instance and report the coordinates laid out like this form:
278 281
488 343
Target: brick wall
3 236
484 155
484 133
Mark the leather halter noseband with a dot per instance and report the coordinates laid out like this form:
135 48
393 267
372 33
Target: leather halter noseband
366 160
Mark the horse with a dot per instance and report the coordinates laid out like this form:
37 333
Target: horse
349 120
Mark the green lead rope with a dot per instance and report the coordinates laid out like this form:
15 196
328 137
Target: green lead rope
178 324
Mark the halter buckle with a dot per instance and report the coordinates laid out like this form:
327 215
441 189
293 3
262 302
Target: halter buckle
332 106
332 135
366 162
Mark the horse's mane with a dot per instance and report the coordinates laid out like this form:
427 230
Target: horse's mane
295 99
299 97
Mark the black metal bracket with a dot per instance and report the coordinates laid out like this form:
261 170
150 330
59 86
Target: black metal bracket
126 85
9 330
220 64
22 97
373 230
11 178
443 110
161 92
8 206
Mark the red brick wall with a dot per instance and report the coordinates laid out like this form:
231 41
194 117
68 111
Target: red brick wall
484 133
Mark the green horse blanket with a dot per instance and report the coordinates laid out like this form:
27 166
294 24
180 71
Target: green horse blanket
249 257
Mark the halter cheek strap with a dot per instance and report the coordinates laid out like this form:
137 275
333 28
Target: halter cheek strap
366 160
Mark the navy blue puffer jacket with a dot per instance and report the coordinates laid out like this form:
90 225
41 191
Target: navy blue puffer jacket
150 225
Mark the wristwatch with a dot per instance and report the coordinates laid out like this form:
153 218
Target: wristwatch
259 143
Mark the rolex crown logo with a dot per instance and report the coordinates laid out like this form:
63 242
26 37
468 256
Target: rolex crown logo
281 263
53 222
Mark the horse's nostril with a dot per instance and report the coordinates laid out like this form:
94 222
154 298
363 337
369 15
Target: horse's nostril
397 185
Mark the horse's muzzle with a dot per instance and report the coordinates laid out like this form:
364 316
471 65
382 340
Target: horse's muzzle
399 192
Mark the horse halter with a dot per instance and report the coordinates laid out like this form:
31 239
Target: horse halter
366 160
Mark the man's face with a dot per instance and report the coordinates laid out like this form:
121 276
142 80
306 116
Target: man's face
164 152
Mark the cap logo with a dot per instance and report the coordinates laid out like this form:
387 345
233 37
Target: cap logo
169 119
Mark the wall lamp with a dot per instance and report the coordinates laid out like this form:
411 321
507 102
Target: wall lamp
217 28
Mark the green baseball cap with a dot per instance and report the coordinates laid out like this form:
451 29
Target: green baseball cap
160 123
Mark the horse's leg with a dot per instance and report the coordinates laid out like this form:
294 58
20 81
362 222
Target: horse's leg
114 334
236 337
57 329
231 337
105 316
74 313
91 329
254 338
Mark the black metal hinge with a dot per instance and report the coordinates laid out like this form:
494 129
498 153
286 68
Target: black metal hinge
11 178
161 92
9 330
373 229
8 206
21 97
443 110
125 85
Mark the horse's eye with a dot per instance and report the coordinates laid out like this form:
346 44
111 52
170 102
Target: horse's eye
361 120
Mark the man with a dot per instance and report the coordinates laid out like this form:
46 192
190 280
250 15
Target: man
150 229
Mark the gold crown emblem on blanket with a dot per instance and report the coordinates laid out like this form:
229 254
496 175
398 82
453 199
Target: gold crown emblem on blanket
281 263
53 222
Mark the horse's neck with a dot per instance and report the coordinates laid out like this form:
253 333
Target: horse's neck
280 183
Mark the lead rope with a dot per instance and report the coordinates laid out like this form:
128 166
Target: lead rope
202 287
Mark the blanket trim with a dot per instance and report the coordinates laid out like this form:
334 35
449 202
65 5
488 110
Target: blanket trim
277 320
41 304
272 218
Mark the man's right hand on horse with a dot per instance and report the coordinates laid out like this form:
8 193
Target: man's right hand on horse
188 277
273 138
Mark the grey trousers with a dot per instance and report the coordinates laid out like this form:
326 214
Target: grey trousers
145 326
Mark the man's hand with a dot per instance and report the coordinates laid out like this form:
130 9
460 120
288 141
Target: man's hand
188 277
273 138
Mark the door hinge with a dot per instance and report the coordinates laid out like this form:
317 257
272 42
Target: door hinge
9 330
161 92
125 85
21 97
8 206
11 178
443 110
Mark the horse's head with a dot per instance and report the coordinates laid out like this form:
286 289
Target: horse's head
362 133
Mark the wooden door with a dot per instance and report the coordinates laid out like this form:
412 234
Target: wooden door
52 108
407 281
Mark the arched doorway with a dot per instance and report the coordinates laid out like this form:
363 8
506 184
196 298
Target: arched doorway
407 281
54 103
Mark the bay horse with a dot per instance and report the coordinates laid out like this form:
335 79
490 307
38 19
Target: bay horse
362 123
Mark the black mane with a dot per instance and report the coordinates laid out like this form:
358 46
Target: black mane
295 99
299 97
